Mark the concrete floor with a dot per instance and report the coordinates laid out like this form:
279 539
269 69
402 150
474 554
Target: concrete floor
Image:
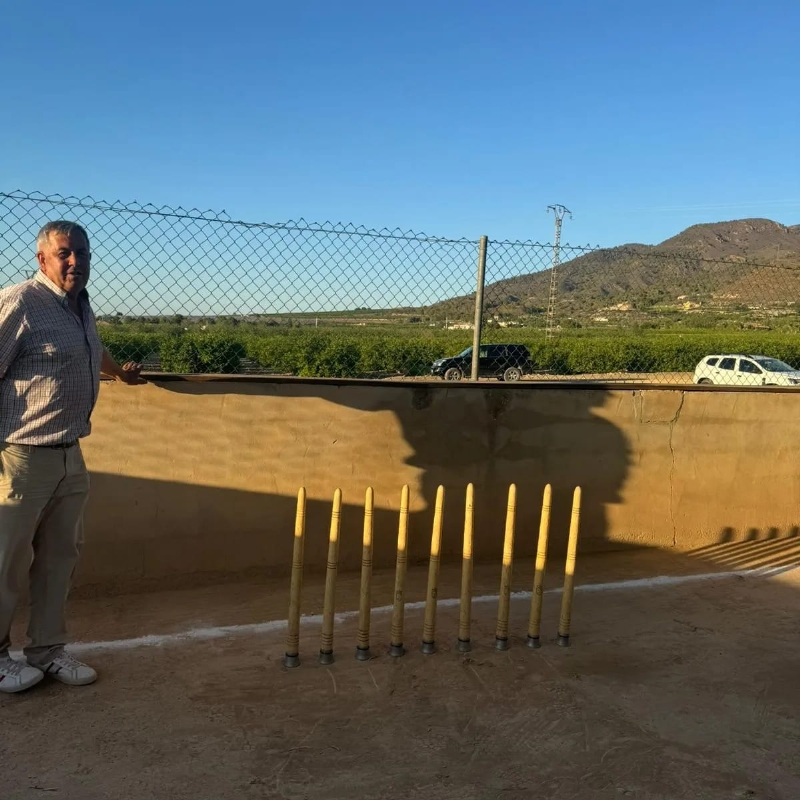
685 688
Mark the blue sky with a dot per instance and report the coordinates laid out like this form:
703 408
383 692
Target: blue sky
452 118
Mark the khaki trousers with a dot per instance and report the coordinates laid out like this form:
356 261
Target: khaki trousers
43 493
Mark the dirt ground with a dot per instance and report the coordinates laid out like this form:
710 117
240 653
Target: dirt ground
672 690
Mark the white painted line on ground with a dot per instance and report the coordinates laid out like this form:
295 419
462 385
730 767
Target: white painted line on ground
221 632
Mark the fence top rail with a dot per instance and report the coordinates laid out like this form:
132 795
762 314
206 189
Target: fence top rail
222 218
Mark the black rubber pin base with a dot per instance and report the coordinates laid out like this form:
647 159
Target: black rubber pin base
563 640
501 644
429 648
396 650
290 661
326 658
362 654
464 646
534 643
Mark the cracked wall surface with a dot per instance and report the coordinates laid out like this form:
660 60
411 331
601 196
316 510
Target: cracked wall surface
193 478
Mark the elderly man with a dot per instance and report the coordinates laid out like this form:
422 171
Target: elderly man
51 359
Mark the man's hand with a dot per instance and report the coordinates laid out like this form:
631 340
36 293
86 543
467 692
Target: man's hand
127 373
130 373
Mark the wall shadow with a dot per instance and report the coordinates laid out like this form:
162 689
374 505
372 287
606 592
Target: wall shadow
144 530
490 435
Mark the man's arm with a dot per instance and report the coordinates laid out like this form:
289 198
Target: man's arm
127 373
12 322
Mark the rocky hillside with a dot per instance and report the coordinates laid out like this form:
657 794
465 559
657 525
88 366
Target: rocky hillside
744 264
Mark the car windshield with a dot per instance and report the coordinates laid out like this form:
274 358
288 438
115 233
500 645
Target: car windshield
774 365
464 353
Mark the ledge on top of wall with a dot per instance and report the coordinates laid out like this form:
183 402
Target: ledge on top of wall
577 383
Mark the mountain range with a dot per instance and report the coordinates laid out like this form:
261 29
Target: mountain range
740 265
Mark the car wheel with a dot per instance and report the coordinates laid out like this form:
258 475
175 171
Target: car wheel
512 374
706 381
453 374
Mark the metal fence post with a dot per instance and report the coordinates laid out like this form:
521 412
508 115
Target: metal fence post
476 336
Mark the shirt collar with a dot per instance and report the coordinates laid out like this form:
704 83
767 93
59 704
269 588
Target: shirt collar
62 296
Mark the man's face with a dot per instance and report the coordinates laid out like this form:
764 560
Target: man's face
65 260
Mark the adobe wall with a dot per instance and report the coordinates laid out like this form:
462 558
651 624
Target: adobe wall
191 478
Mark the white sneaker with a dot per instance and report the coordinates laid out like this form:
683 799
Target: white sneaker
17 676
69 670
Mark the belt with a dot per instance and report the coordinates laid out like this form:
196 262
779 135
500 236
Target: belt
62 446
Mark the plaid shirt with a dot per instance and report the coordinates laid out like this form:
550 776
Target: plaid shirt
49 364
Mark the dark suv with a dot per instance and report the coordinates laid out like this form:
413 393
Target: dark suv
508 362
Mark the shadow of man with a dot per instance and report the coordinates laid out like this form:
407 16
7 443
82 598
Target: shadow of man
489 434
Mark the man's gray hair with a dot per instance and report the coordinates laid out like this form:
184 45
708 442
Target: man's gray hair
59 226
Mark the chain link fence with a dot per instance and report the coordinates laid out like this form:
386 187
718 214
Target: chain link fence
197 292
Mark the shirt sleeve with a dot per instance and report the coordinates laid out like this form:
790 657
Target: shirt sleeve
12 324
